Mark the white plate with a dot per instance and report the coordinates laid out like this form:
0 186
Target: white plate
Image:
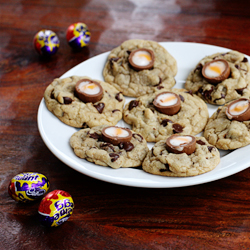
56 134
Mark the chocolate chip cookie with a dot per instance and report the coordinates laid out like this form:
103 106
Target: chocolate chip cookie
61 99
89 144
225 133
160 161
133 81
236 85
154 125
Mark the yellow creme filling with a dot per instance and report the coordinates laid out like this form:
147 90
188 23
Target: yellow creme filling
216 69
89 88
168 99
147 57
118 131
239 107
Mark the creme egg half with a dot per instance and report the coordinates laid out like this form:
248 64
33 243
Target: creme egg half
141 59
89 88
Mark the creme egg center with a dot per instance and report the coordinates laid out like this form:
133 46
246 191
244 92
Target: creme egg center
167 99
89 88
215 69
239 107
116 132
142 58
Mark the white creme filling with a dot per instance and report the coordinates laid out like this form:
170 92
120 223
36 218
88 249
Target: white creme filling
89 88
116 132
141 58
167 99
238 108
215 69
180 141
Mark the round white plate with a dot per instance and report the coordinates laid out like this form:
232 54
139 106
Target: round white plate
56 134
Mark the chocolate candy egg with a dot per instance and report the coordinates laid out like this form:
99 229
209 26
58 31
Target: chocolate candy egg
179 144
46 42
89 91
29 186
216 71
78 35
167 103
116 135
239 110
141 59
55 208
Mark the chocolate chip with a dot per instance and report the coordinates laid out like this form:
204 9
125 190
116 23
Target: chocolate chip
133 104
165 169
198 67
115 110
218 110
245 59
84 125
240 91
52 95
201 142
113 156
177 128
152 151
165 122
160 87
128 146
114 59
67 100
239 68
182 98
207 93
94 136
118 98
100 106
129 52
138 137
210 148
107 146
189 92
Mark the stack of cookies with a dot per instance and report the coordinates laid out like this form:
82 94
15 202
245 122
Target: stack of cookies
169 117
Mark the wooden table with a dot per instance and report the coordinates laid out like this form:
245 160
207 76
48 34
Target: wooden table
214 215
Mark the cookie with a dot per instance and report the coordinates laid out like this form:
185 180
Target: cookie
154 126
89 144
160 161
134 83
227 134
235 86
60 98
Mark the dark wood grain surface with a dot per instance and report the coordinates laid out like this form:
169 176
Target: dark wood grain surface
214 215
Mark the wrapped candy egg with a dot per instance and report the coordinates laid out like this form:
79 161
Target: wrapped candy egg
141 59
216 71
78 35
55 208
46 42
167 103
28 186
179 144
